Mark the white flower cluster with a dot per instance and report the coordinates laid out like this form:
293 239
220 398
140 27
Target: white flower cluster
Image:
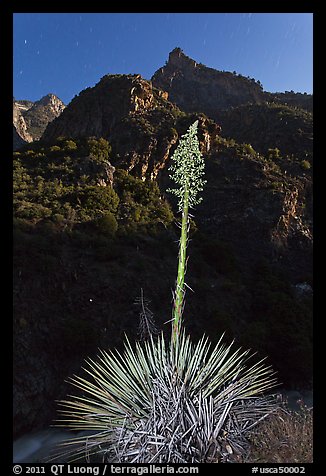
188 168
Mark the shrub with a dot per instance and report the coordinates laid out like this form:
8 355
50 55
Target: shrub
30 210
141 202
55 148
58 219
96 199
305 164
273 154
61 139
99 149
247 148
70 145
285 437
134 188
107 224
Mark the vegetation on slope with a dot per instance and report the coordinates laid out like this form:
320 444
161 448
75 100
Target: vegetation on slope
68 185
272 126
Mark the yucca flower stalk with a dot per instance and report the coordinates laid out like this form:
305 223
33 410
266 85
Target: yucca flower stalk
187 171
169 400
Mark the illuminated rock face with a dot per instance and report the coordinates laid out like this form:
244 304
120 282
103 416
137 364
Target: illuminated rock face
136 118
20 133
42 113
31 118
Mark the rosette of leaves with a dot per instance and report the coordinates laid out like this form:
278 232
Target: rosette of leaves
157 403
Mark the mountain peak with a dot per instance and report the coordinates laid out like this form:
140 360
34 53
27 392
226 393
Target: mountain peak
178 58
31 118
196 87
176 53
48 97
52 101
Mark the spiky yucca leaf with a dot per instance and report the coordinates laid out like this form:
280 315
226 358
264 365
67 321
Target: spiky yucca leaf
158 402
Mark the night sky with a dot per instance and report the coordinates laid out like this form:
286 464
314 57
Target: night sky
63 53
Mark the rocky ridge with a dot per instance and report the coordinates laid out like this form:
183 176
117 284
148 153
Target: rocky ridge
31 118
245 112
19 123
41 113
23 105
136 118
195 87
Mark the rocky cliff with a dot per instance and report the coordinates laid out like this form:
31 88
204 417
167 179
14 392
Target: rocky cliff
23 105
17 140
195 87
20 126
272 208
138 120
31 118
42 113
245 112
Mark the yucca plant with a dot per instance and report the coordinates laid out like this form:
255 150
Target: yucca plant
168 399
